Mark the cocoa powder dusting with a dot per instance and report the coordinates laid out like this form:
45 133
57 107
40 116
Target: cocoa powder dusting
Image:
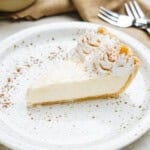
9 80
18 69
1 95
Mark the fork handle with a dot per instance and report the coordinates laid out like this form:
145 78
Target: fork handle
148 30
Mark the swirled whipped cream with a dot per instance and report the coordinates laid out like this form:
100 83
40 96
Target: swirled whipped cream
103 53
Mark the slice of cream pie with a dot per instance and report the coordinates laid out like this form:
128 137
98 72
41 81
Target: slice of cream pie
109 64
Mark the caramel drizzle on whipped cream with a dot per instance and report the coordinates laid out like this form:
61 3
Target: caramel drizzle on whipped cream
102 52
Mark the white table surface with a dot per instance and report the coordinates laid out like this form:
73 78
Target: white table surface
8 28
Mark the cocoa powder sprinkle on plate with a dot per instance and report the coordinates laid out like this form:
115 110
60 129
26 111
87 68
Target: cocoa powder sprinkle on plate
9 79
1 95
18 69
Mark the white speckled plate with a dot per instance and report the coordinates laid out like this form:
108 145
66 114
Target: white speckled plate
100 124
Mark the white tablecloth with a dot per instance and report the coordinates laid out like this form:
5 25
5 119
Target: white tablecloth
8 28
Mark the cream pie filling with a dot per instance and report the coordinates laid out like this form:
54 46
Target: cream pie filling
68 91
110 64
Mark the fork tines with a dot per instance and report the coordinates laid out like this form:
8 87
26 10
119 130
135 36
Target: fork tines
108 15
133 9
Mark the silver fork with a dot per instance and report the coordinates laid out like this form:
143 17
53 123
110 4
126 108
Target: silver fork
133 10
114 18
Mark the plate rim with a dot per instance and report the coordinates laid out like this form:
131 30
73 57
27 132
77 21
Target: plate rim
13 38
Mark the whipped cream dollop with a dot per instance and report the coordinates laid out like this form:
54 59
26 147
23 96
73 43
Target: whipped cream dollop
103 53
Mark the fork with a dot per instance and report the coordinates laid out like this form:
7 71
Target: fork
114 18
121 20
134 11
